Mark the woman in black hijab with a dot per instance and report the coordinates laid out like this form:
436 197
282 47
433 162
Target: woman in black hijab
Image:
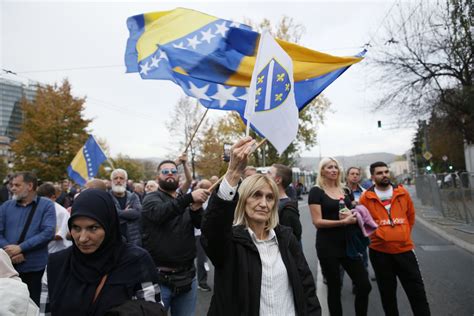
100 271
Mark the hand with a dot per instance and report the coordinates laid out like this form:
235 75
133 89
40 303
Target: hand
12 250
200 195
350 220
19 258
346 213
196 206
182 159
239 153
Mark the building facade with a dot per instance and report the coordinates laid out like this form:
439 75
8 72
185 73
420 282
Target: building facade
11 116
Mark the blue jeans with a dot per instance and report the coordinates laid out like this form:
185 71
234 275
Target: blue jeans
183 304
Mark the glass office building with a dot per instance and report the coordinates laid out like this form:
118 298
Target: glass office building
11 115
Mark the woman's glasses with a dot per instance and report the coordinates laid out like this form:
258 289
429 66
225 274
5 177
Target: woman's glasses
168 171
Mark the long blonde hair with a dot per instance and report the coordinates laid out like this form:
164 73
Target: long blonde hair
247 189
320 181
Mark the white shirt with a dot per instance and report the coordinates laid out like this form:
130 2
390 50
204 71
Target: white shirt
276 294
62 216
385 197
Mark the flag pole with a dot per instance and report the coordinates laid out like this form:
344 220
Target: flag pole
255 147
197 128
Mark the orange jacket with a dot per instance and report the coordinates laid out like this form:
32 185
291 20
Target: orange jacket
393 235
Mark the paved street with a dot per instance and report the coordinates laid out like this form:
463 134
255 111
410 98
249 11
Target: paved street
447 271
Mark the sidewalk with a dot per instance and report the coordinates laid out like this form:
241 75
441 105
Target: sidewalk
459 233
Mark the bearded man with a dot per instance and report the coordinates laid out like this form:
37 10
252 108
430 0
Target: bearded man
27 225
391 249
169 217
128 207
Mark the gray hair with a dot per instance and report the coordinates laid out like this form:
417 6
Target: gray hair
118 171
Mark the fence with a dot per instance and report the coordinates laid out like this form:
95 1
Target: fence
451 195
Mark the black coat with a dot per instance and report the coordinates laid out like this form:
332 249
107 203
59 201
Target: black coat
238 269
168 229
290 216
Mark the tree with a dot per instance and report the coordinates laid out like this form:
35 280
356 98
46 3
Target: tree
3 170
182 125
440 140
232 127
134 167
209 162
52 132
425 63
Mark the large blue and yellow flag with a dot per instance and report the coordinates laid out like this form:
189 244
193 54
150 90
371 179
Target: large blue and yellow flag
87 161
213 59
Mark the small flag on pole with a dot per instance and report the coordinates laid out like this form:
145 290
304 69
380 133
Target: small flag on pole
271 108
87 161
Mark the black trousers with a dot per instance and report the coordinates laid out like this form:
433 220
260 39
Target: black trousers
355 269
404 265
33 281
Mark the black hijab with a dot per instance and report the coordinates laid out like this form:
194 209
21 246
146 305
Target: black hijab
73 277
99 206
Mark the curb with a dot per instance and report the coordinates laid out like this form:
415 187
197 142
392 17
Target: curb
455 240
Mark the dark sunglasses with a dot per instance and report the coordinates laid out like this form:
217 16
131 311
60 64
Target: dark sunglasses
168 171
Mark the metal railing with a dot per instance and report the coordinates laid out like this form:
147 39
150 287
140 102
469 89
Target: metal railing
450 194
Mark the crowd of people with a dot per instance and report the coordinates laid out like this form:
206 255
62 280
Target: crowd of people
115 247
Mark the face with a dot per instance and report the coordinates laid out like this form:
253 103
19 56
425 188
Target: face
353 176
258 207
65 185
331 171
168 177
20 188
381 176
87 233
272 173
249 172
151 186
119 182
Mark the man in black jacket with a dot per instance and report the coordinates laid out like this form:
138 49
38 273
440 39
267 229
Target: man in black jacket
288 209
168 221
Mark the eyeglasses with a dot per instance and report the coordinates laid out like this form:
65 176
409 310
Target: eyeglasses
168 171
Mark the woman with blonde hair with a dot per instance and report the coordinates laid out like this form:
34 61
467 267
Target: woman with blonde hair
333 228
260 268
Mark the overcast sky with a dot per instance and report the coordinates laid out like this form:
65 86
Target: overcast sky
85 41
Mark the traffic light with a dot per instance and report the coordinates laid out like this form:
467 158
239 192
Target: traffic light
450 167
428 168
379 124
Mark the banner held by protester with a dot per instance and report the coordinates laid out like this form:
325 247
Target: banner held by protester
271 107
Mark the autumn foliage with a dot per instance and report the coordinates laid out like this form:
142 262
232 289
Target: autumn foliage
52 132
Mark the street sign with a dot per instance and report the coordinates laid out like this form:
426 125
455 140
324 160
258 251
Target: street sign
427 155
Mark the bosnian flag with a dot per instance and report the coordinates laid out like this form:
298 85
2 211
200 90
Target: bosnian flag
271 108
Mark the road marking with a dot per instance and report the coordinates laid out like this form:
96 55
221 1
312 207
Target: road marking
437 247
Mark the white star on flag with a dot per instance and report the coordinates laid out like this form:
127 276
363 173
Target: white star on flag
224 95
234 24
163 55
144 68
193 42
207 36
180 45
221 29
199 93
154 62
